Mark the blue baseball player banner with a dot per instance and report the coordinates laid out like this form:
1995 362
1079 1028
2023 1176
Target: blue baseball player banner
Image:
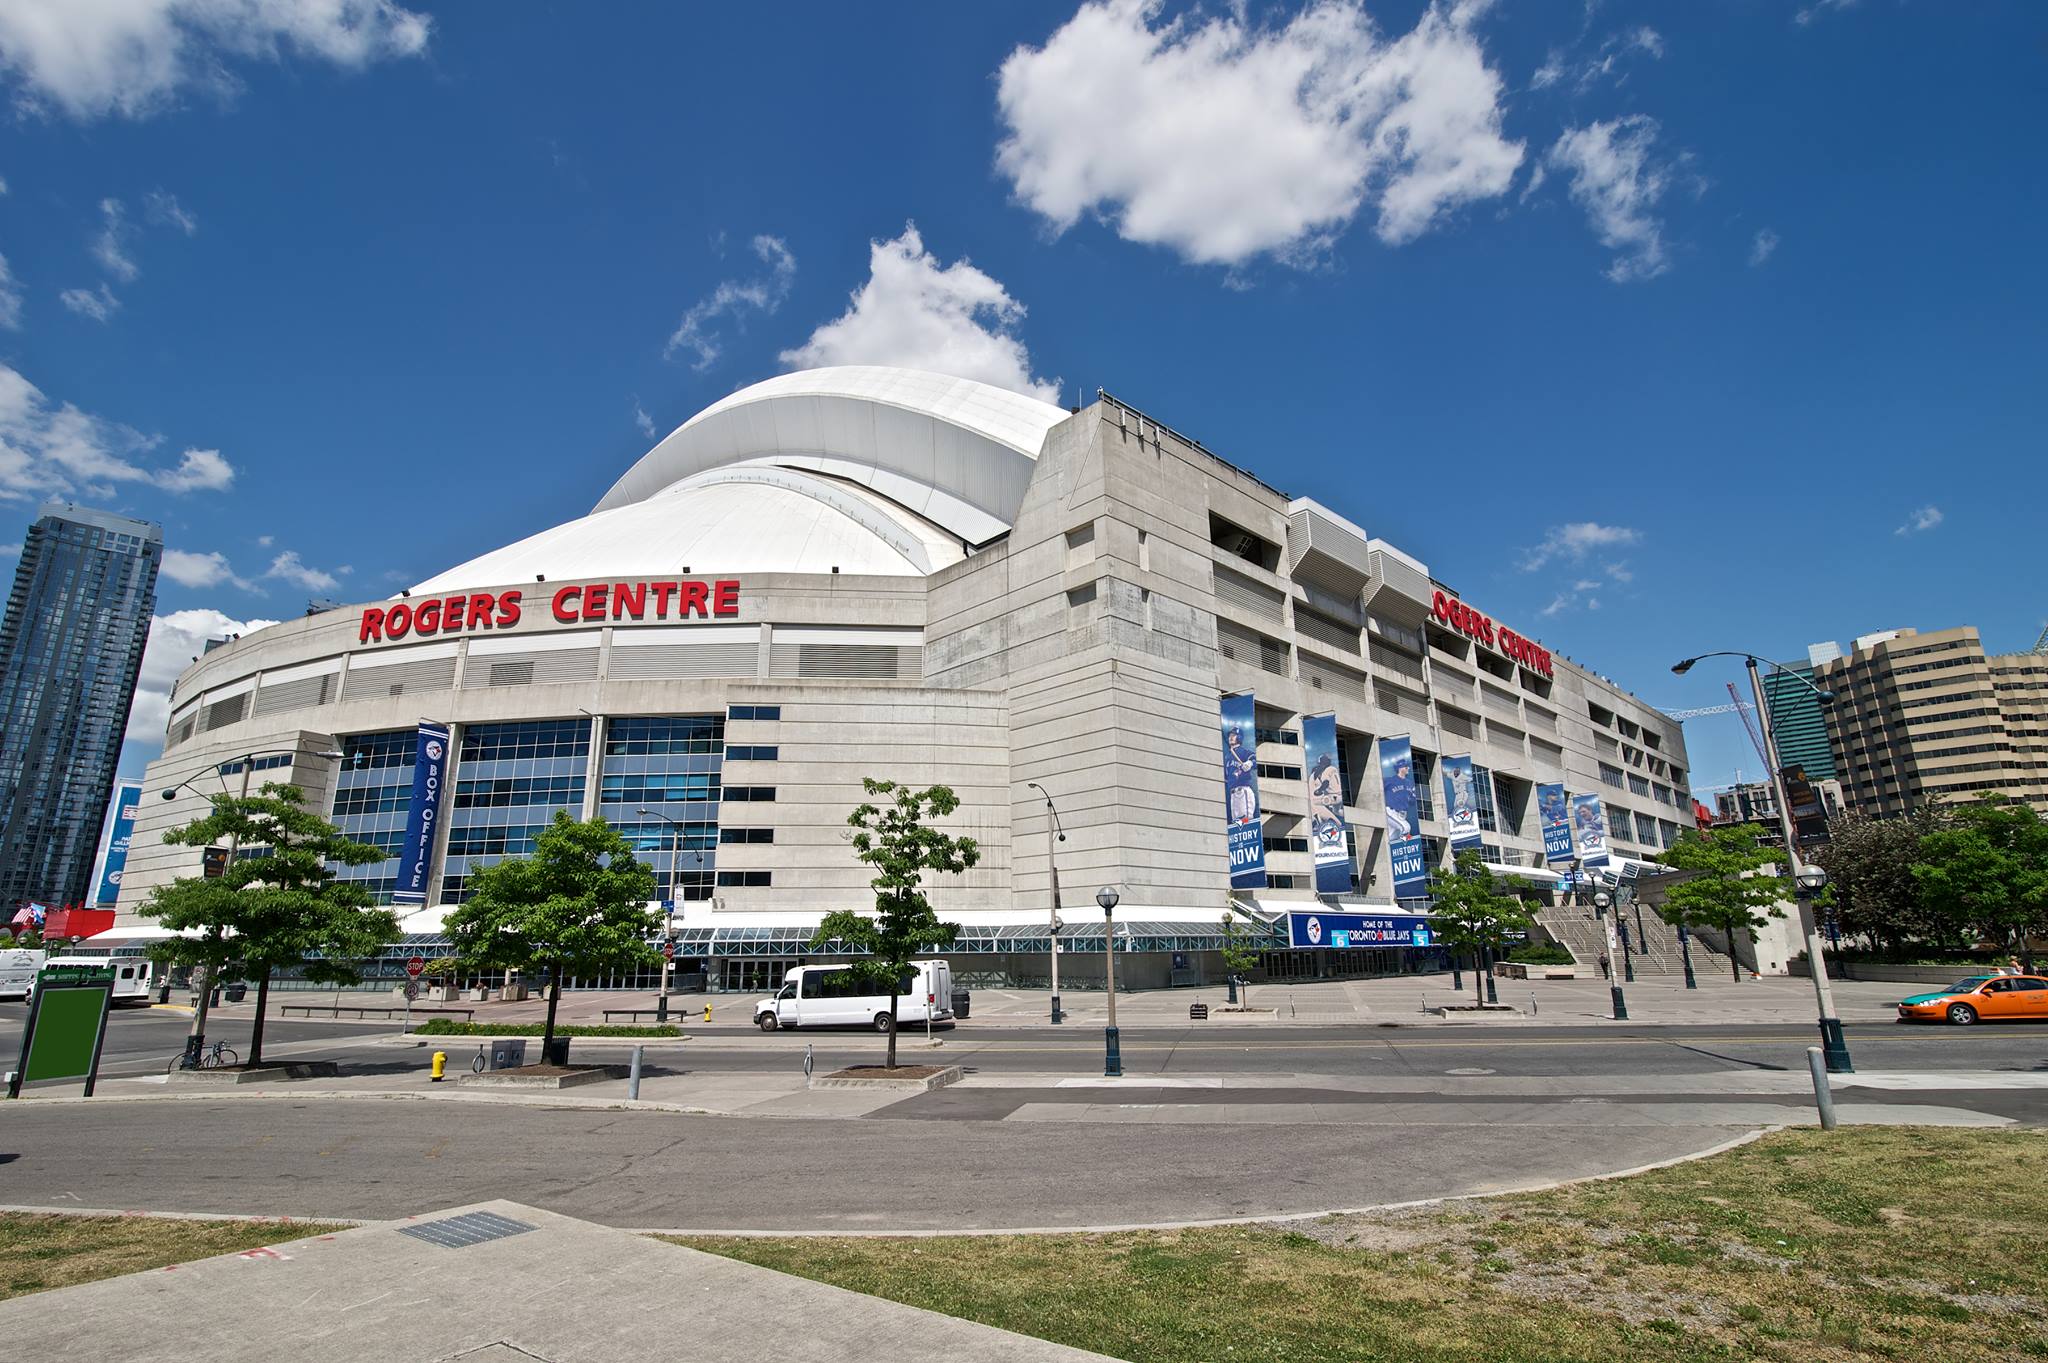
126 802
1344 930
1404 830
1557 824
1242 817
429 783
1461 802
1325 804
1589 829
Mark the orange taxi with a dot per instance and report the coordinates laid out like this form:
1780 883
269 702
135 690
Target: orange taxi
1986 998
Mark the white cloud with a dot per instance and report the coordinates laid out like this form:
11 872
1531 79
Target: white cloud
174 641
110 247
1925 518
50 449
1606 60
1617 182
199 570
288 567
265 541
1572 542
95 58
1761 248
698 330
11 550
10 294
1620 572
1813 11
165 211
1224 141
98 304
921 314
644 421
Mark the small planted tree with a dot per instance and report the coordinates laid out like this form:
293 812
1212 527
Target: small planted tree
1468 912
1730 893
1870 877
892 833
277 904
578 905
1238 958
1987 872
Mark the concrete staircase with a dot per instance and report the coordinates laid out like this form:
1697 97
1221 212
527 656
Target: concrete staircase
1654 949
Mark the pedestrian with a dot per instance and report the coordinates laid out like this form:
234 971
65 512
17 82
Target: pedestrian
1606 967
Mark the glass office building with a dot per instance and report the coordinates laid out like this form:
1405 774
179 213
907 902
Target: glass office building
70 650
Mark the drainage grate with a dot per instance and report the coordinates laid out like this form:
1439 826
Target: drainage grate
471 1228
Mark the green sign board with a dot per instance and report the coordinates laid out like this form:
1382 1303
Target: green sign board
67 1024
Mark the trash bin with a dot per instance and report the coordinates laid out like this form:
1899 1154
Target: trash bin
507 1054
236 992
555 1052
960 1004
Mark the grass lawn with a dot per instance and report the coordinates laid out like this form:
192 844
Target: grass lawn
1869 1242
39 1252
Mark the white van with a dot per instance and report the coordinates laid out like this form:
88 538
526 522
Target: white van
828 996
131 974
18 967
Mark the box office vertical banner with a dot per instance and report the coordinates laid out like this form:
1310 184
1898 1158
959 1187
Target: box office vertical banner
1243 818
1551 808
1589 829
1461 802
1404 832
1326 804
126 803
423 819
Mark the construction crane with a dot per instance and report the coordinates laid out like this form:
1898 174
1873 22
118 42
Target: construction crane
1701 712
1756 737
2041 644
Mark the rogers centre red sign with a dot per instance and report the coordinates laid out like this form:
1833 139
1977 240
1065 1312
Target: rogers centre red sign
596 602
1451 611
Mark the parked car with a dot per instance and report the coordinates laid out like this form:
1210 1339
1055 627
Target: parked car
1988 998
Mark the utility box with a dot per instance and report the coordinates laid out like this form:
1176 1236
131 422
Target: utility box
508 1054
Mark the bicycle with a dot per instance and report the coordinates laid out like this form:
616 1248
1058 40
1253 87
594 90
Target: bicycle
210 1058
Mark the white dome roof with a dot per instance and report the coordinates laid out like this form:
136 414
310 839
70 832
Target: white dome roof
869 470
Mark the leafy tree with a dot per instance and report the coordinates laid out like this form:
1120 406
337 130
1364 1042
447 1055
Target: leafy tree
1729 893
895 839
1468 911
1988 869
578 905
1873 889
1239 957
276 904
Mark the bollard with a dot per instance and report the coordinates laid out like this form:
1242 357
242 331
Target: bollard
1823 1096
633 1079
440 1065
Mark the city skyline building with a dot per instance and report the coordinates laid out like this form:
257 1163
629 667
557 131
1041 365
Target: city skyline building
70 651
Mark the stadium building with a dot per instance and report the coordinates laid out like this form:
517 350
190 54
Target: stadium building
856 572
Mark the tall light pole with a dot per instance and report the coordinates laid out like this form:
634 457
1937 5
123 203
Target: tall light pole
1604 902
1834 1046
1112 1052
195 1039
668 918
1052 826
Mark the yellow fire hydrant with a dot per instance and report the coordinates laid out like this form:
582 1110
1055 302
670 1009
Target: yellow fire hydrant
707 1012
440 1065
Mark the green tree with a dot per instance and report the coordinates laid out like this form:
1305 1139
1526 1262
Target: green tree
895 838
1728 891
1468 912
1988 869
1875 894
276 904
1239 958
579 905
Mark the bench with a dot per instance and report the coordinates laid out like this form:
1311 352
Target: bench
634 1013
1517 970
338 1009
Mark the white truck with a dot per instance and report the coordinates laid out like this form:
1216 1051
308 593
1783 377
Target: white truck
830 996
18 967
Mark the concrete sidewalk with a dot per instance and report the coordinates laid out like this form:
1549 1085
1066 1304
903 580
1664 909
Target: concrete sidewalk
544 1287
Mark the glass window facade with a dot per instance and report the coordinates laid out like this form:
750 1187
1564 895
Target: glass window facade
510 780
1482 786
70 650
668 765
372 797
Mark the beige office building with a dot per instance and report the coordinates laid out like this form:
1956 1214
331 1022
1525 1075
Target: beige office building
1919 715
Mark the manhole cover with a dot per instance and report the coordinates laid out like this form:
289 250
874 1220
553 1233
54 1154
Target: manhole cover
1468 1071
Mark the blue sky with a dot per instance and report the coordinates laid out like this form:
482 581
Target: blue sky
1653 328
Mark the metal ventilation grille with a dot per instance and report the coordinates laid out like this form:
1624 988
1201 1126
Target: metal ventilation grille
471 1228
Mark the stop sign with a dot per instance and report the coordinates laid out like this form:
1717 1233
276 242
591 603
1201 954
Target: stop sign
415 965
668 950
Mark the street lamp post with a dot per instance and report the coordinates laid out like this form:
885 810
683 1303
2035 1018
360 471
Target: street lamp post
1112 1053
668 920
1052 826
1834 1046
1604 902
1628 960
195 1038
1685 955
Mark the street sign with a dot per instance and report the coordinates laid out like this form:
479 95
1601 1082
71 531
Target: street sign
415 966
668 950
412 990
